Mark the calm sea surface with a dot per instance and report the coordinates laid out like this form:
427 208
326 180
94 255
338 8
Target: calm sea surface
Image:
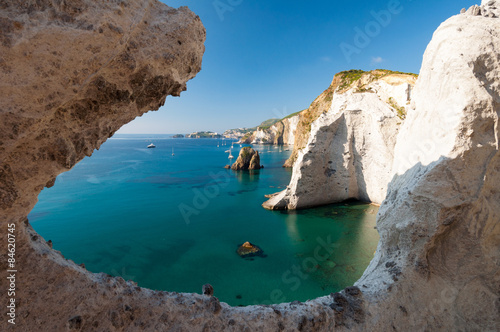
174 222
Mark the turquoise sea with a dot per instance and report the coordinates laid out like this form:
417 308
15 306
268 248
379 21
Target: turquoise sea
174 222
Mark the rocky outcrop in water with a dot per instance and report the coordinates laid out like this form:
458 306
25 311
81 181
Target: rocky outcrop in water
248 159
248 249
351 145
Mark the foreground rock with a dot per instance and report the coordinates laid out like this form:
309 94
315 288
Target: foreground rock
437 265
351 144
248 159
440 223
248 249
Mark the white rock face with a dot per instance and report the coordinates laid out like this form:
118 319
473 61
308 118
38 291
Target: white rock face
263 136
282 132
350 150
439 252
290 126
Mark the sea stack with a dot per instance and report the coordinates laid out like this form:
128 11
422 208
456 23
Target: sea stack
247 160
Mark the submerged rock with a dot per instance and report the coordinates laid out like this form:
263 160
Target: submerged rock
247 160
248 249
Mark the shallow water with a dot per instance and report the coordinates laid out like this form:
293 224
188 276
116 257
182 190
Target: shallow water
174 223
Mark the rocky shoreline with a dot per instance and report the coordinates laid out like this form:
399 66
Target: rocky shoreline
351 143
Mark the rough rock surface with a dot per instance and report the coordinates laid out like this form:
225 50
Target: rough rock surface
437 265
248 159
302 133
248 249
280 133
351 146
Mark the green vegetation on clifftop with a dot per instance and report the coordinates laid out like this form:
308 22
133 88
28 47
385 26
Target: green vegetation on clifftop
349 77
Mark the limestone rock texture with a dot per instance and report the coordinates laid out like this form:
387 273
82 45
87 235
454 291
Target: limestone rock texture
74 71
437 266
248 159
351 145
280 133
285 130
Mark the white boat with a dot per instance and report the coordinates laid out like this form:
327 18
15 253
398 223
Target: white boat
227 151
173 154
151 146
230 155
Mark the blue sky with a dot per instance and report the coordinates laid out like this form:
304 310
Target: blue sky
269 58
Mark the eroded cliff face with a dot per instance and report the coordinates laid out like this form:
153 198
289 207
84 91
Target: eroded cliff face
73 72
66 86
437 266
351 145
280 133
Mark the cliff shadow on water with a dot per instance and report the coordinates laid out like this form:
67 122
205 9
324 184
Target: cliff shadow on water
347 233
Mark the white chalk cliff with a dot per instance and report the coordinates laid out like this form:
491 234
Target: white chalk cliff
351 146
280 133
439 254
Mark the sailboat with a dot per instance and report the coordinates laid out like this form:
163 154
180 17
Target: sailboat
230 155
173 154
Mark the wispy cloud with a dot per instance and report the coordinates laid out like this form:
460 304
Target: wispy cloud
326 58
376 60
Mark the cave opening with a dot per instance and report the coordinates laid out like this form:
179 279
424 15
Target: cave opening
174 221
